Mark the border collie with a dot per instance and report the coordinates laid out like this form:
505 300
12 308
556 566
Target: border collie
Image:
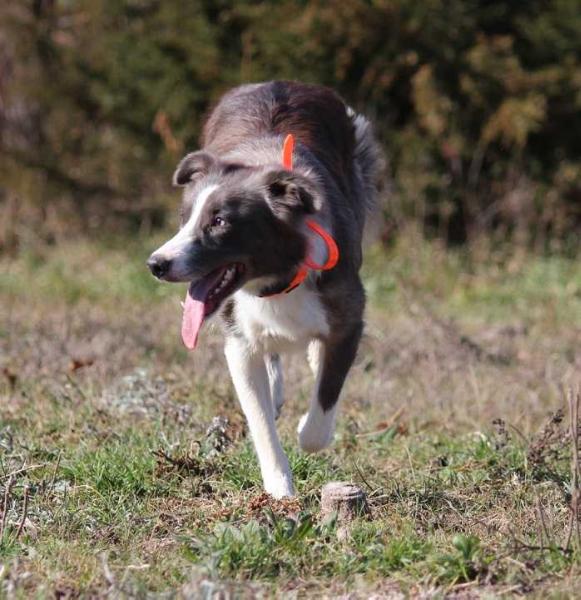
273 215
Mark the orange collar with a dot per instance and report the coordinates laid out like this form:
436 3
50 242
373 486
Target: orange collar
332 249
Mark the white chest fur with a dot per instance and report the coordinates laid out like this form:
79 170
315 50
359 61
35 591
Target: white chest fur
281 323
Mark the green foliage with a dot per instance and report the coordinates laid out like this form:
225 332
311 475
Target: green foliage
460 564
252 549
110 469
477 104
298 547
490 290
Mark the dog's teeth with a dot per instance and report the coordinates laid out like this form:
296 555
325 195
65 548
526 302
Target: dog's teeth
226 280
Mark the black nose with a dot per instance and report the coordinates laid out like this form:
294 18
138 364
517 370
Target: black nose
158 265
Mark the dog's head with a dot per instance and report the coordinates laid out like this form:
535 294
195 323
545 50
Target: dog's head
238 224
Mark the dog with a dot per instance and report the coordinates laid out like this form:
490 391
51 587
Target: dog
273 215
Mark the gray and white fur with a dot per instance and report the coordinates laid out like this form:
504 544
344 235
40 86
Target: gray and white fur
243 226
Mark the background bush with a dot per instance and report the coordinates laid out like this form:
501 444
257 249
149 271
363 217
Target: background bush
476 103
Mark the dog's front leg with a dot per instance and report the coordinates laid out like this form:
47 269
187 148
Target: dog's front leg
250 379
274 370
330 362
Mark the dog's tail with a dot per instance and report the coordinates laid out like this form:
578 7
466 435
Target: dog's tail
370 162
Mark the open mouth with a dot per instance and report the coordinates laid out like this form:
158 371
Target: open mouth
205 296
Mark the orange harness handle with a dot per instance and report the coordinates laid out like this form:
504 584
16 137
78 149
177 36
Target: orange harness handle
332 257
288 148
332 249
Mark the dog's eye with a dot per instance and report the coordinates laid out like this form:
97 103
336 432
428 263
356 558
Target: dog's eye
217 221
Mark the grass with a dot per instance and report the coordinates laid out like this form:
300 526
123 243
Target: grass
111 484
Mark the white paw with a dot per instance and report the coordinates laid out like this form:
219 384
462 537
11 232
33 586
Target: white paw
314 436
279 485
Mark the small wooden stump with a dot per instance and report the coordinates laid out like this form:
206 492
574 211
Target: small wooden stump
346 501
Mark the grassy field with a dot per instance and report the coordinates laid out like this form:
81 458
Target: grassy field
112 484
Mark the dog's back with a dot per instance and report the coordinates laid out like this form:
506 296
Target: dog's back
339 139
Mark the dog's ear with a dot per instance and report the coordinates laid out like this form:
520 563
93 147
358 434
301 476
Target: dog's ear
291 195
192 166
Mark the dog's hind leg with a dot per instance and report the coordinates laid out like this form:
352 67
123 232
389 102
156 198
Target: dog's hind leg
274 369
250 377
333 359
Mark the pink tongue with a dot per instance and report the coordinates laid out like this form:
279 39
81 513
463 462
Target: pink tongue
195 308
192 321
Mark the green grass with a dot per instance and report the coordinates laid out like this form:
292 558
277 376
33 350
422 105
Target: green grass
117 489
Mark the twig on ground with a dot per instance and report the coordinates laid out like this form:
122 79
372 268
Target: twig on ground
544 445
107 573
387 425
7 493
23 470
525 546
24 514
360 473
573 398
520 434
55 471
543 530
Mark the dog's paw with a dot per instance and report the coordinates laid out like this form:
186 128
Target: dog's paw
314 437
279 485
